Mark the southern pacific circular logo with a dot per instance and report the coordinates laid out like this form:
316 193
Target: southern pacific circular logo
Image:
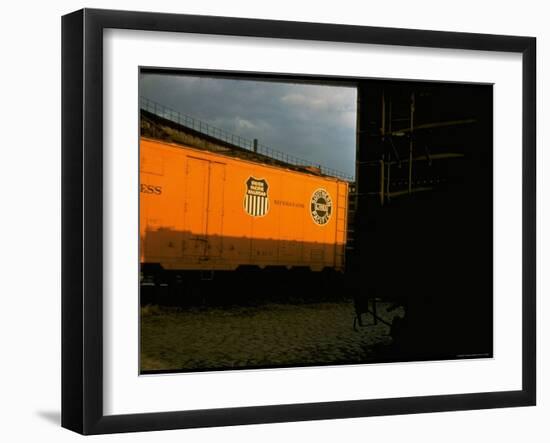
321 206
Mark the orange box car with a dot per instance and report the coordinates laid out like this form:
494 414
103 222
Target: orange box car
200 210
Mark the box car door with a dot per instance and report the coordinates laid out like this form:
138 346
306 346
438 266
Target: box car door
196 201
214 220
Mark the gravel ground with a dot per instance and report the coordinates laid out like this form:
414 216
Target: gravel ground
263 336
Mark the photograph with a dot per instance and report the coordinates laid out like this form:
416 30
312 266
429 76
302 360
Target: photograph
288 220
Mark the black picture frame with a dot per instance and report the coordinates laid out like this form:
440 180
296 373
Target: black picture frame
82 231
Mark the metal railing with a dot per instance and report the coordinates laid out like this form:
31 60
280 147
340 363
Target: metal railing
204 128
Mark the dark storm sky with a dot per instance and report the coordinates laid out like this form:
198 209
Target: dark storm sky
312 122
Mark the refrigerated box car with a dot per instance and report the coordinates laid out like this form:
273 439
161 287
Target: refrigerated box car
200 210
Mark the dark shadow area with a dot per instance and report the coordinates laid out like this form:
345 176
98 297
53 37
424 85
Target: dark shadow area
428 247
246 286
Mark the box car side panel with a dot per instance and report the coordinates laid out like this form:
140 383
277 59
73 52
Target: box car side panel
286 234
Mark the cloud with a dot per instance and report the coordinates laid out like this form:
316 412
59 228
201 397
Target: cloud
245 124
309 121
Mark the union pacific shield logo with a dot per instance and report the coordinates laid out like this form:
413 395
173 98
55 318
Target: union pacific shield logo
256 199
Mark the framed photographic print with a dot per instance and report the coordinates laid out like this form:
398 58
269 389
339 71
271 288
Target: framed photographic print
261 218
